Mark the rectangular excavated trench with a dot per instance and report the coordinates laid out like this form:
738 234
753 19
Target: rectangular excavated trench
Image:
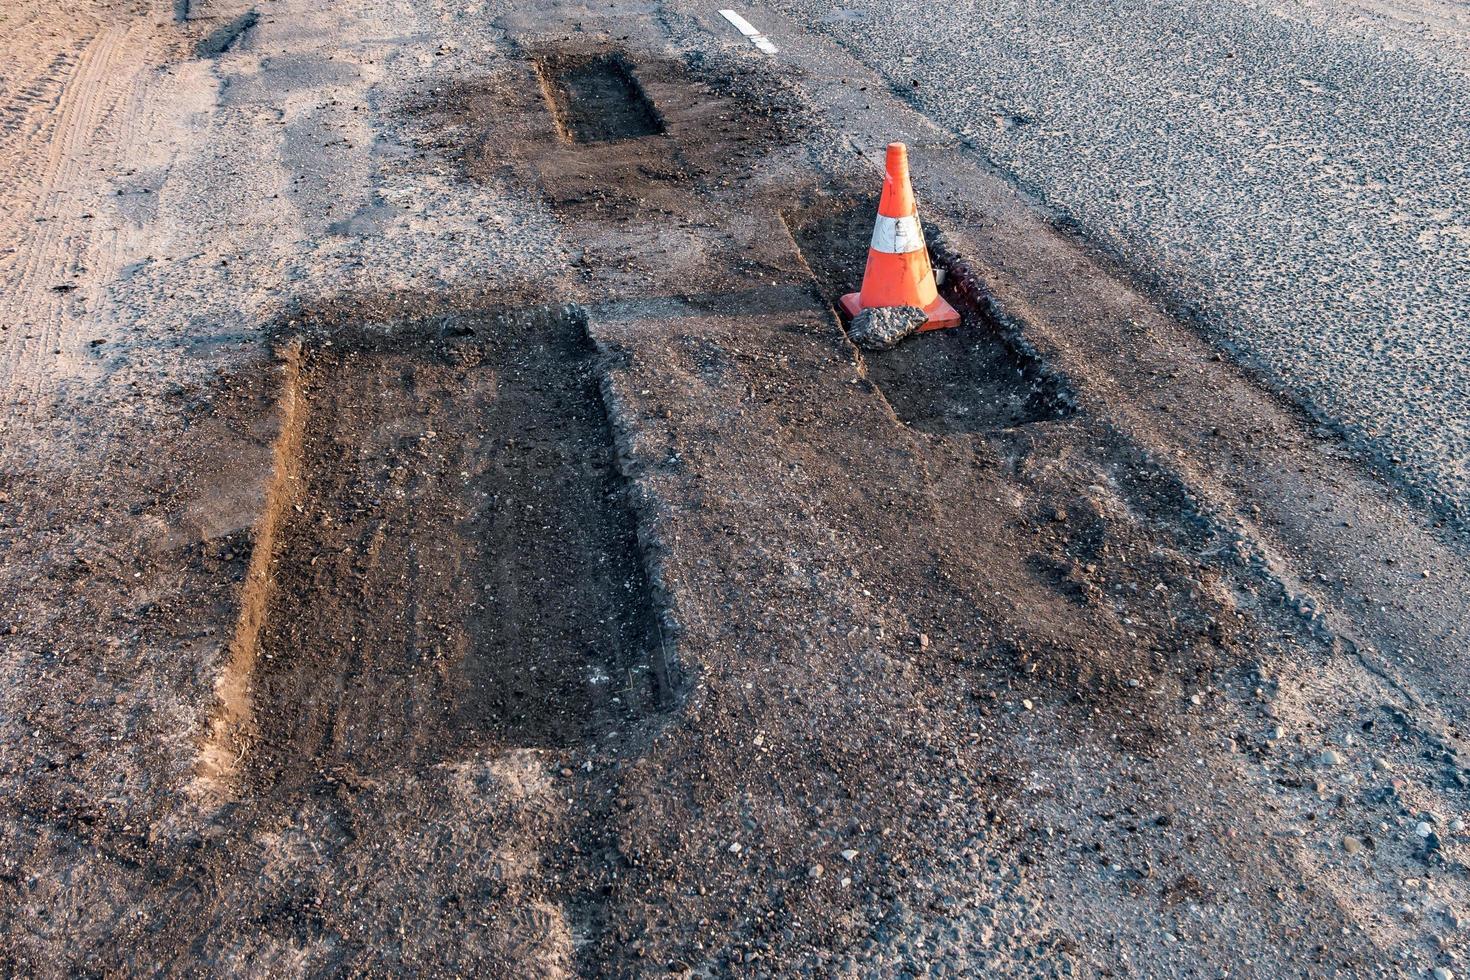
597 98
967 379
450 560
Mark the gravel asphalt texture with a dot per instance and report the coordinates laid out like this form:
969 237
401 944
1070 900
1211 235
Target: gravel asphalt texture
1296 178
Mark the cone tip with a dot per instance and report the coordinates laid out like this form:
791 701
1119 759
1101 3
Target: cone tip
897 160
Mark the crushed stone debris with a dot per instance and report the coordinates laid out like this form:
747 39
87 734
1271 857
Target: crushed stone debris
882 327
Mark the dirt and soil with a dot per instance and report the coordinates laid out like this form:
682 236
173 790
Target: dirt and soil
486 552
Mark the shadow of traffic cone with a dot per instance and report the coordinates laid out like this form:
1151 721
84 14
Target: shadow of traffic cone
898 272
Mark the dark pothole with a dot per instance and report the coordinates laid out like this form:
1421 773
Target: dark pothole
966 379
564 123
598 99
455 562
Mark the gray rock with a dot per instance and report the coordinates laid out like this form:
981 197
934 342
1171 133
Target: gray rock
882 327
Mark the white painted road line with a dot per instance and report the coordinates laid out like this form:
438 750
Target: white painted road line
745 27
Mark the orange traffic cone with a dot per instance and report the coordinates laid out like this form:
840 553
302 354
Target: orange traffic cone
898 272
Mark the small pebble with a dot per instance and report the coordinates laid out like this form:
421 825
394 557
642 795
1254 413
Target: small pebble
849 855
815 871
734 848
1423 829
1331 758
1442 973
1457 826
1352 845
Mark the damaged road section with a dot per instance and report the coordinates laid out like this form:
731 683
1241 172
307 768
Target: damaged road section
971 379
898 570
886 562
447 559
982 675
597 99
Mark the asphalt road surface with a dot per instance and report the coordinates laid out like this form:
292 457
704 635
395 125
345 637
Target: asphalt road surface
1296 174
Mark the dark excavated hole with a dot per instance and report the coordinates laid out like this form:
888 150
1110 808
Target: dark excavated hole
598 99
717 118
968 379
457 563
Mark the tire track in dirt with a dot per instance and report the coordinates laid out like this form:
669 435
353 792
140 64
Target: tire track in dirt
121 110
34 100
30 304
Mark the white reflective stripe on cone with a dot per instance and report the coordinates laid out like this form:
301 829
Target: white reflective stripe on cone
897 235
